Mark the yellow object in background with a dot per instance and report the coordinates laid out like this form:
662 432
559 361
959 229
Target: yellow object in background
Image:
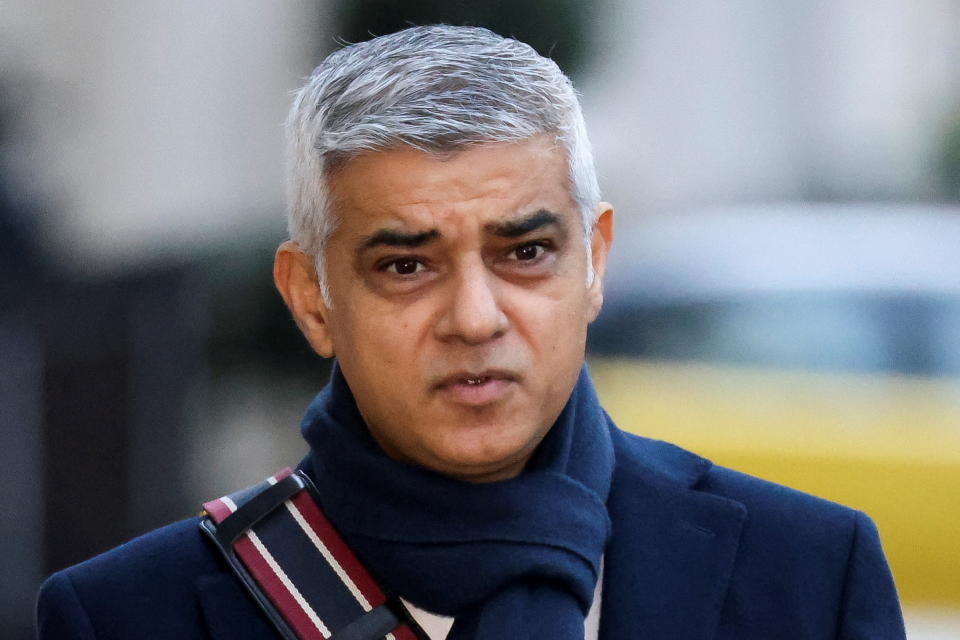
887 445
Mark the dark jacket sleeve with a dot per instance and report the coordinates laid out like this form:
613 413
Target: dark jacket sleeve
60 615
870 609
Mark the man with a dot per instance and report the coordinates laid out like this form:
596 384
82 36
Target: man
448 245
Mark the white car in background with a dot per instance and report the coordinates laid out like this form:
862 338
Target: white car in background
826 287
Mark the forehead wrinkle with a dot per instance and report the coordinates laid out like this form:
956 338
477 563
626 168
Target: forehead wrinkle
453 186
459 190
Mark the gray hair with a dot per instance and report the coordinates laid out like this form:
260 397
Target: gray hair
437 89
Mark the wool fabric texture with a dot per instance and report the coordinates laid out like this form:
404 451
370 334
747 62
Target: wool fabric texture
517 558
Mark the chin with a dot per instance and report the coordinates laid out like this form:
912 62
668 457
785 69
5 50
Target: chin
492 472
487 462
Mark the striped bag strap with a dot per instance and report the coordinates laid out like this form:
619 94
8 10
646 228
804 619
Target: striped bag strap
298 568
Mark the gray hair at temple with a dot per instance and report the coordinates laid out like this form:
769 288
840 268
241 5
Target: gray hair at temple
438 89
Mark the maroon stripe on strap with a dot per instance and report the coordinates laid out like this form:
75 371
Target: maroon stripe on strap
403 632
339 549
217 509
283 473
270 584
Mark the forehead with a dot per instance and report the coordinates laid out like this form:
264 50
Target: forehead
413 188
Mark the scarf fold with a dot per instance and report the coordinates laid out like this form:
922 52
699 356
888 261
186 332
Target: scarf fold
517 558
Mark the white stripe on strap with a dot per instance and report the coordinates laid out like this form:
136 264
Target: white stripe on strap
291 588
322 548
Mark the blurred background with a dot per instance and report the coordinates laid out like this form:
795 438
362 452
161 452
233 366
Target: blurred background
784 295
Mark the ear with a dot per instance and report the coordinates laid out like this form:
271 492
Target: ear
296 279
600 241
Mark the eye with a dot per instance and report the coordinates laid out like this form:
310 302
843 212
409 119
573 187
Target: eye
404 266
528 252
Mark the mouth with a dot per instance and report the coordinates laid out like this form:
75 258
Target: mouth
476 388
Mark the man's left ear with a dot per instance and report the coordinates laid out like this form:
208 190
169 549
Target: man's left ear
600 243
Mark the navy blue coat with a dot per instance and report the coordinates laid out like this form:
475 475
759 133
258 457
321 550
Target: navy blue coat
700 552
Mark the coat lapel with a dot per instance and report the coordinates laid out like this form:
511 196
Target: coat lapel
671 553
229 612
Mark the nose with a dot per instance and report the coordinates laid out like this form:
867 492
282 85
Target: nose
472 312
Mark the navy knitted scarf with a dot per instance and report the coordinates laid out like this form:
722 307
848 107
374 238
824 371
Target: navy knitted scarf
518 558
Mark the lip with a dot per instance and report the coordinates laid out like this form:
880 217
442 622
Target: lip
476 389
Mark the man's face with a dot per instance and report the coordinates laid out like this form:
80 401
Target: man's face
459 300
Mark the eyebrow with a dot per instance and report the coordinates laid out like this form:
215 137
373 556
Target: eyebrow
523 226
506 229
392 238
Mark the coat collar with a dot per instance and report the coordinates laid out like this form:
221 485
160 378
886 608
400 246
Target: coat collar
670 558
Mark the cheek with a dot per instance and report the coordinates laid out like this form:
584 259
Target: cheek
383 336
554 324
